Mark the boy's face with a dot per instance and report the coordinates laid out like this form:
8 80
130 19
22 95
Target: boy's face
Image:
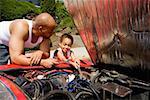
65 44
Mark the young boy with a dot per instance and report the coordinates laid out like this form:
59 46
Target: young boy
64 53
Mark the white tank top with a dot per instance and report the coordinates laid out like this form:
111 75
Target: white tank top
5 34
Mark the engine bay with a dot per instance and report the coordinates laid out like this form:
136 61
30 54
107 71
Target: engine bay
77 84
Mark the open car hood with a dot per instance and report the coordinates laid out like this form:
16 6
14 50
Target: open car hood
114 31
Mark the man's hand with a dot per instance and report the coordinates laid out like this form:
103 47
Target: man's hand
35 57
48 62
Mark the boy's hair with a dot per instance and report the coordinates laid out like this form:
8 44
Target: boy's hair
66 36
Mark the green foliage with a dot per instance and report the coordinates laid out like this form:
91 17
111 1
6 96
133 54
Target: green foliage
66 22
59 12
63 18
12 9
48 6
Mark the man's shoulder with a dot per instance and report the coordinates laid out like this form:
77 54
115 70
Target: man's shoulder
19 26
21 21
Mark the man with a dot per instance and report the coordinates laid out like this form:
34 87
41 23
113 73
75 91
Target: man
20 33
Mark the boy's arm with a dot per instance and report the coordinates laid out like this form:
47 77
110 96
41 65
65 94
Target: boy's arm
75 59
61 56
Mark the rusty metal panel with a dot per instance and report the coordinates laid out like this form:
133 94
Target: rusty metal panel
114 31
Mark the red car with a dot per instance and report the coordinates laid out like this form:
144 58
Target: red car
116 34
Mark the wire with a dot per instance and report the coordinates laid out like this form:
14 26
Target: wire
58 95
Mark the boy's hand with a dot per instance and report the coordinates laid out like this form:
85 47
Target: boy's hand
77 61
76 65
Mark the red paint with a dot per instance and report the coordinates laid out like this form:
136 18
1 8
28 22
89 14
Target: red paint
14 66
19 94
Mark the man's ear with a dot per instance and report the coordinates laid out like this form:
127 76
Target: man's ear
40 27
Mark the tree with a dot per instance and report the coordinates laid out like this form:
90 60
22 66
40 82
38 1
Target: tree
12 9
57 9
48 6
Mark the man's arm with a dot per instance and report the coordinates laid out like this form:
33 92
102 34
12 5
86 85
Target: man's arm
38 55
19 32
45 48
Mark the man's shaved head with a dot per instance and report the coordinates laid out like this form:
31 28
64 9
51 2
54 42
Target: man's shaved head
44 24
45 19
